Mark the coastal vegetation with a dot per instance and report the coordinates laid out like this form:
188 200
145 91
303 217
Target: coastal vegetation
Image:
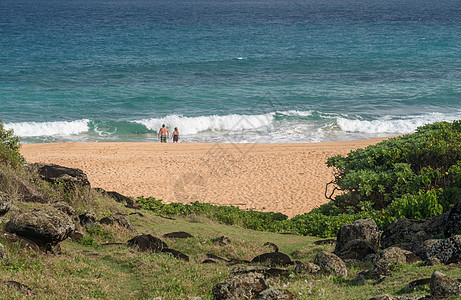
414 176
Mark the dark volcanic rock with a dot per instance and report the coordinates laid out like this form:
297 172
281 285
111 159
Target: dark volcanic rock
453 221
245 286
389 257
119 220
176 254
329 262
209 261
147 243
325 242
272 245
275 294
363 229
403 230
356 249
443 286
447 250
273 258
416 283
22 241
306 268
87 219
68 210
55 173
178 235
41 226
5 203
129 202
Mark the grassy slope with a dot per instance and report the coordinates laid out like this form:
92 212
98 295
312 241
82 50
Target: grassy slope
117 272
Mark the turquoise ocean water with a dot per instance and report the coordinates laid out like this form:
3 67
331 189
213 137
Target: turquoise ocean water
227 70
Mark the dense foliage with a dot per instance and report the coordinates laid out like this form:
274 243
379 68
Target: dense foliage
415 176
314 223
9 148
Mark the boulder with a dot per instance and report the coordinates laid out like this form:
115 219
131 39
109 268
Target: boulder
415 284
41 226
389 257
273 259
443 286
87 219
403 230
68 210
363 229
357 249
275 294
129 203
245 286
55 173
306 268
446 251
119 220
5 203
420 244
21 241
147 243
178 235
453 221
329 262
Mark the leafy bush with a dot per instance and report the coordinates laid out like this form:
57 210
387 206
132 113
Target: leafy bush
315 223
229 215
9 148
411 170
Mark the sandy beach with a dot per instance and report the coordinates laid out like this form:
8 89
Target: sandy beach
286 178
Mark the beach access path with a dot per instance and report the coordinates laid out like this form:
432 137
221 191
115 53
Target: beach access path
286 178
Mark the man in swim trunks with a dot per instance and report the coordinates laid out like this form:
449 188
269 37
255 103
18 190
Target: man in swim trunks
163 134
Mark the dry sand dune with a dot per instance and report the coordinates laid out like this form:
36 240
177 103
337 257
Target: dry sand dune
286 178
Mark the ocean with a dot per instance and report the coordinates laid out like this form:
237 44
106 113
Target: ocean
227 71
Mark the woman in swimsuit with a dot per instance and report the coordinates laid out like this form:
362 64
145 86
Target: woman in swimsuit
175 135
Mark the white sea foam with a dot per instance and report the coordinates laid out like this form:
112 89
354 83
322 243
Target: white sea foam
296 113
195 125
57 128
388 124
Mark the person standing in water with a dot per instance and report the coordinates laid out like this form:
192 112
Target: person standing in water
163 134
175 135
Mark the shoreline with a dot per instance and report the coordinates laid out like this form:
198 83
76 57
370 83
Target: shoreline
287 178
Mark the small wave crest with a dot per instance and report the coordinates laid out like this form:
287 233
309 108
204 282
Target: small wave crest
195 125
56 128
392 124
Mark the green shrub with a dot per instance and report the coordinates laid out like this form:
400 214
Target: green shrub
405 169
9 148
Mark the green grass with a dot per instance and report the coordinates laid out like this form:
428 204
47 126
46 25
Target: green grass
119 272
